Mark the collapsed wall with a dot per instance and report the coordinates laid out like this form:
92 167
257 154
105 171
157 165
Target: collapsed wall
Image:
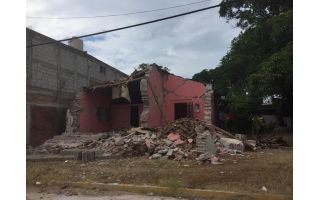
209 105
73 115
157 98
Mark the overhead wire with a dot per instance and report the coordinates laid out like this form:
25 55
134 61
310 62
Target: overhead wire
127 27
115 15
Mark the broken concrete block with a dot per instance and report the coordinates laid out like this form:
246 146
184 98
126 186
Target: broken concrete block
251 144
241 137
137 129
167 142
163 151
119 141
127 140
203 157
155 156
173 136
232 145
178 141
169 153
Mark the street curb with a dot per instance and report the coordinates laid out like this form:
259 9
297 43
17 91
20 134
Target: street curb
181 192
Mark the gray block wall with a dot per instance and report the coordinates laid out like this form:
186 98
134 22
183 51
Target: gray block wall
62 70
55 74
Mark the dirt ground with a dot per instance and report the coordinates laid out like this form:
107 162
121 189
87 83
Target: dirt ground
80 194
239 173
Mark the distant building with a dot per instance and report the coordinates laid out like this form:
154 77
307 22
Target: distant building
149 98
55 74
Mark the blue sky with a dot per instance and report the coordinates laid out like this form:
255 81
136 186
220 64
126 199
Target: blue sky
185 45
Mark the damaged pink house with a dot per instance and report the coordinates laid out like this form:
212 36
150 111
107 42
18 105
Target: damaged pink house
149 98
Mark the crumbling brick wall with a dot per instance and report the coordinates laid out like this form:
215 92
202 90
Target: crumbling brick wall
75 110
209 105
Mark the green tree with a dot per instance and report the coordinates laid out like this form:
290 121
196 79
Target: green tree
259 62
251 12
275 77
144 66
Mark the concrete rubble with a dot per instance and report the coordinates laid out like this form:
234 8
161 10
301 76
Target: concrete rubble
183 139
272 142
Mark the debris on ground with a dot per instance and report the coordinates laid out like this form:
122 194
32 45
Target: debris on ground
185 138
251 145
231 146
264 189
272 142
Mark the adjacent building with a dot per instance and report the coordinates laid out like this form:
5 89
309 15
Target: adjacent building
55 74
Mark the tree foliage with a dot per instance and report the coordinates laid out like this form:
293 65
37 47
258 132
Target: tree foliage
144 66
251 12
259 62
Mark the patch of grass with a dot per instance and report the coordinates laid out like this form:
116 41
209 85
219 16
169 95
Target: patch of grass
272 169
173 184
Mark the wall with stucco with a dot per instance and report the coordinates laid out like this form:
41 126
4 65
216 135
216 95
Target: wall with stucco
170 89
163 91
89 103
121 115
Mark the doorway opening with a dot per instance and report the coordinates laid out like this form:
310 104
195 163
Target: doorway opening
134 116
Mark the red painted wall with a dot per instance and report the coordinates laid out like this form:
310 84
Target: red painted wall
168 89
88 118
171 89
121 115
179 90
155 82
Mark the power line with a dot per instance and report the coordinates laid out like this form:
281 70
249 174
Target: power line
126 27
121 14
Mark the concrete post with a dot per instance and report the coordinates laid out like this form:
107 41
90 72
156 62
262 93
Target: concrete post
208 105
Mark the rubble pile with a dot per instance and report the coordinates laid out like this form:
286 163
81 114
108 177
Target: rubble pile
185 127
136 142
183 139
272 142
62 142
176 141
147 142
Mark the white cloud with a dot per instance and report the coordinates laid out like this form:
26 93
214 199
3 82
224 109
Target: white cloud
186 45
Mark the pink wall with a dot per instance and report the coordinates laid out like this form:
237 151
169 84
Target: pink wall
121 115
168 88
88 117
179 90
171 89
156 82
